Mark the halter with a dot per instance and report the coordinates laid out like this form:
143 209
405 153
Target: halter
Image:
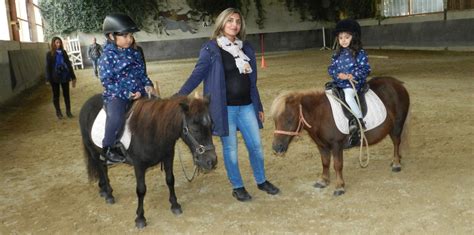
302 121
199 148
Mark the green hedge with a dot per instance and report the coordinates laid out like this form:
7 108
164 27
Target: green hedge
66 16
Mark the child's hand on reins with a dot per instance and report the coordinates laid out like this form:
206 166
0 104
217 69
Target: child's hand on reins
136 95
346 76
343 76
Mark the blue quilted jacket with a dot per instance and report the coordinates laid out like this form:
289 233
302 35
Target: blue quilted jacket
122 72
344 63
210 69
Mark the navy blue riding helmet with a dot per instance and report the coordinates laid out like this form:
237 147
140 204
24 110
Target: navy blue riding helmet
348 25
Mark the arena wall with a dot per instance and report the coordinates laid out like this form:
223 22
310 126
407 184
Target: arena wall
22 66
450 31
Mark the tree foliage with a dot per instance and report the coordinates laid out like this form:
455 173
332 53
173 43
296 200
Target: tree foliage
66 16
214 7
331 10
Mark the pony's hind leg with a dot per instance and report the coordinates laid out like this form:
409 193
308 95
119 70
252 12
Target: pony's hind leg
97 170
105 190
323 181
175 206
396 162
396 134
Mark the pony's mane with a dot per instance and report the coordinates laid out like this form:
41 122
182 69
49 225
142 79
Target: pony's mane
279 103
156 118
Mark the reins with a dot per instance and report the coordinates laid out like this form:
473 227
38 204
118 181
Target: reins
362 131
302 121
182 166
199 148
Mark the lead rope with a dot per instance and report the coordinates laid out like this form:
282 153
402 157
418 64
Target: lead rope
362 132
182 166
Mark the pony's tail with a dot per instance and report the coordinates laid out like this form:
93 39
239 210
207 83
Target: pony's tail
92 167
89 111
404 142
89 158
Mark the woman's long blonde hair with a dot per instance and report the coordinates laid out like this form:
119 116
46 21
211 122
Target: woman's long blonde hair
222 19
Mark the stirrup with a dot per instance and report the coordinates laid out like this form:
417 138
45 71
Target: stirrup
353 140
113 155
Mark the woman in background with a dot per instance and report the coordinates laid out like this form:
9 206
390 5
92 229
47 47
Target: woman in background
59 73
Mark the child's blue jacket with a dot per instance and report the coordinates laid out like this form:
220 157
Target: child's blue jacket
344 63
122 72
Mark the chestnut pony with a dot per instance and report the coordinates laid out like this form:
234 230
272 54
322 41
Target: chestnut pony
311 111
155 125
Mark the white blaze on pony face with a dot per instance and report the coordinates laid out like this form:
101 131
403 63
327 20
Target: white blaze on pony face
344 39
232 26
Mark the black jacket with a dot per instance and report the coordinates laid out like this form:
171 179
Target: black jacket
50 62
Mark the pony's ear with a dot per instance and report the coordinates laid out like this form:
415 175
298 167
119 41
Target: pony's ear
207 99
184 106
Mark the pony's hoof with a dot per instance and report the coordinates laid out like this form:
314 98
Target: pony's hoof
103 194
320 184
396 167
339 192
110 200
140 223
177 210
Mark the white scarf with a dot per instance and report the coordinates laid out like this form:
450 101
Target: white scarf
235 49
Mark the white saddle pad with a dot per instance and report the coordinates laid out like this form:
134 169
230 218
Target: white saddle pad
376 112
98 131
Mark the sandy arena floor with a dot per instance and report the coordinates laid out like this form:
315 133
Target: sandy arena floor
44 187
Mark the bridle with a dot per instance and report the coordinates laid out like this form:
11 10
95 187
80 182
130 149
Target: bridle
302 121
199 148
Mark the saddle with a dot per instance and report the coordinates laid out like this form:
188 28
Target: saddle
339 93
98 131
354 134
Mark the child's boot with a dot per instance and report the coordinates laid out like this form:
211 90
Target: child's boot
113 155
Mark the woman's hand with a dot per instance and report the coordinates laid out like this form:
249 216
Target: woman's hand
73 83
136 95
261 116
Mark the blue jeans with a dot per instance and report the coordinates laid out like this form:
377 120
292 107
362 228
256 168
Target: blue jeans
116 110
95 64
243 117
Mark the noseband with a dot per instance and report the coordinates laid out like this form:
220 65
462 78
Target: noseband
199 148
301 122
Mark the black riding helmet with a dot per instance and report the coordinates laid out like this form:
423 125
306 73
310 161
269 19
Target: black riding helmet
348 25
119 23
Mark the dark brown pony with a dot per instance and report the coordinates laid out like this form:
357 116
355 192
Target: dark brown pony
310 110
155 125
